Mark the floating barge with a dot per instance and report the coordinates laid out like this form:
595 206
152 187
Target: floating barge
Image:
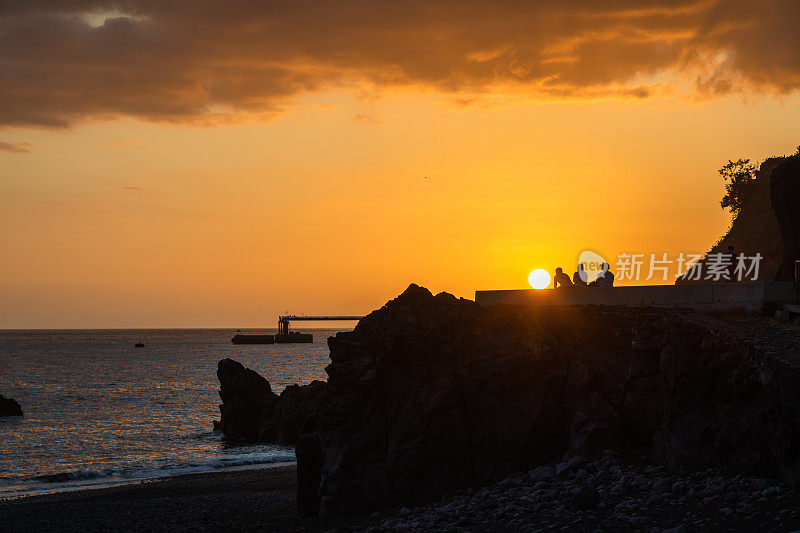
294 336
253 339
280 338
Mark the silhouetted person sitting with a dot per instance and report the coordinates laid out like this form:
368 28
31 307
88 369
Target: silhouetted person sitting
561 279
606 277
579 277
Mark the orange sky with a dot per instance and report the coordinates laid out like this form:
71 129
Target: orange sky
314 199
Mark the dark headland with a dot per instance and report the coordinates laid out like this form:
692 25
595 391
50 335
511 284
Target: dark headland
579 409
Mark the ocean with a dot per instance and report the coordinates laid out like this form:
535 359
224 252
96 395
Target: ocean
99 411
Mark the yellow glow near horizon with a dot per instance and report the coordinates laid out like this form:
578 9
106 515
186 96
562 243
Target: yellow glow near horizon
130 224
539 278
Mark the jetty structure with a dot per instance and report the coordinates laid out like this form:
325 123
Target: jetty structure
284 335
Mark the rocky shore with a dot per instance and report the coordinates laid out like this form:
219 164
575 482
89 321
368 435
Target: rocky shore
608 494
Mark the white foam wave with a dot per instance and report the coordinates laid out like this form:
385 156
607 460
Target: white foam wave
97 478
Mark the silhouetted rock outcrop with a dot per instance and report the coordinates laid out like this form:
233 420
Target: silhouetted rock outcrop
785 194
429 394
9 407
768 222
251 412
755 229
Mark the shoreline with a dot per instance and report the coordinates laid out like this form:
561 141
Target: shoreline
103 485
248 498
607 494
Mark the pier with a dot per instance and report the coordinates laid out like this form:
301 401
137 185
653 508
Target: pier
283 321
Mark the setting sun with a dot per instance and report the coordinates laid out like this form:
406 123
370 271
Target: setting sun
539 278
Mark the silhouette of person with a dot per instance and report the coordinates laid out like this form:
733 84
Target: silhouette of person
561 279
579 277
732 266
606 277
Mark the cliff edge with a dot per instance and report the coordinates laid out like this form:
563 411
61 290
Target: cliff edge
432 393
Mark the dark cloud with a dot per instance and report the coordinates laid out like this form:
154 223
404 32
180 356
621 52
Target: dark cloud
211 60
16 148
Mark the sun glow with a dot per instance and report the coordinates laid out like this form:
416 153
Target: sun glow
539 278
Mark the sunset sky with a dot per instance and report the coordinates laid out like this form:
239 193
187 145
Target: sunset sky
213 163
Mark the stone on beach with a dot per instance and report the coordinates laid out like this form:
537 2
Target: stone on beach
518 503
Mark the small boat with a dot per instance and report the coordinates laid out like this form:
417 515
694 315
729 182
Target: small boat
138 345
253 339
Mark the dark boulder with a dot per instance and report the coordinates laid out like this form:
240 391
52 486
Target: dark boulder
9 407
247 399
785 194
431 393
251 412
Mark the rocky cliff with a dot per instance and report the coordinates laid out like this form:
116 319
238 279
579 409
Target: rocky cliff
785 197
431 393
251 412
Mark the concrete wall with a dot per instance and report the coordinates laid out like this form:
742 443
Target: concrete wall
703 297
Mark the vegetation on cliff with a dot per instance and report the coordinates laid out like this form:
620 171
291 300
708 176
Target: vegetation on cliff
739 176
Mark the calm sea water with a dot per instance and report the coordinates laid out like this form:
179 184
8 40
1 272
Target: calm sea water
99 411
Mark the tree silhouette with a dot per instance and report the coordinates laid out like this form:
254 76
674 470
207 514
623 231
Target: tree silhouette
739 177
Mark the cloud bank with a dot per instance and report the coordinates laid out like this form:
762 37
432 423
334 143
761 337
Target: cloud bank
204 61
15 148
